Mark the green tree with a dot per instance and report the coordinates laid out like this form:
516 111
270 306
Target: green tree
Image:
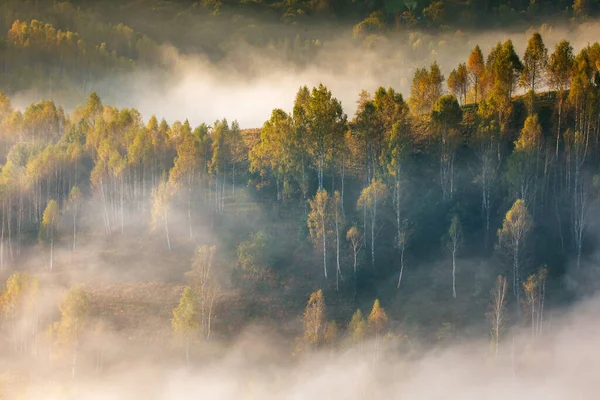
255 254
275 155
185 318
74 309
326 123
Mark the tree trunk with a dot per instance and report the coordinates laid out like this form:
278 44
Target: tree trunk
75 228
323 227
167 229
401 266
51 251
454 272
337 245
189 209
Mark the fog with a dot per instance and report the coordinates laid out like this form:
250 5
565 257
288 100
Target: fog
562 363
249 83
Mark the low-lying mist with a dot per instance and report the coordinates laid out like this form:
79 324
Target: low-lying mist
561 363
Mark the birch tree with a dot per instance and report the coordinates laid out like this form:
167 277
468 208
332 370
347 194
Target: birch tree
314 320
371 198
453 243
511 239
50 221
185 318
203 280
358 327
75 202
497 311
161 206
377 321
355 238
559 79
535 292
339 226
318 223
18 303
446 116
74 310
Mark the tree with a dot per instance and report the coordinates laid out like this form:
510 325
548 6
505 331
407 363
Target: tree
486 144
453 243
74 310
75 201
497 311
358 327
524 162
579 212
314 320
203 280
355 238
274 155
255 254
535 290
339 226
445 117
185 318
535 61
326 124
160 208
377 323
426 89
476 68
318 223
185 166
559 79
511 238
581 8
50 222
458 83
403 237
504 68
370 198
18 303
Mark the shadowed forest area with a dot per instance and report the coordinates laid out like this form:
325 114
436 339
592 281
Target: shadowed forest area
449 220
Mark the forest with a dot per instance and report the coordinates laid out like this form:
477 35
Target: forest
462 211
